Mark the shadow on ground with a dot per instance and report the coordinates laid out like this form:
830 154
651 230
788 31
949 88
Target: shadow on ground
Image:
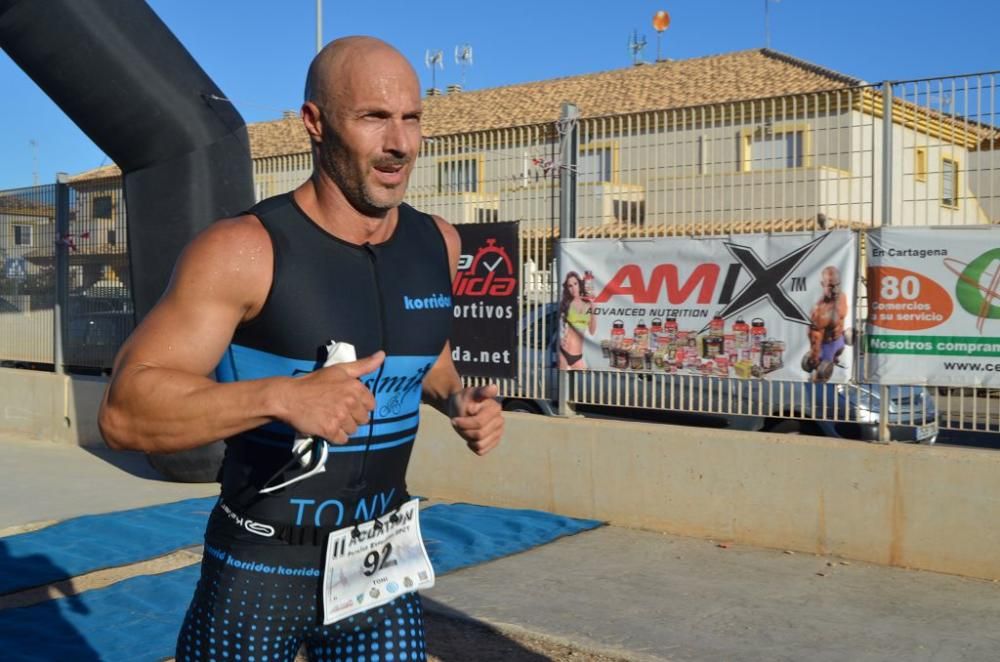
40 631
131 462
453 636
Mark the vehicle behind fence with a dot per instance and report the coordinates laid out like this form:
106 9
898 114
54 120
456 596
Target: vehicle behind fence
914 154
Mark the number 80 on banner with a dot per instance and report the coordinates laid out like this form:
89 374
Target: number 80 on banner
905 300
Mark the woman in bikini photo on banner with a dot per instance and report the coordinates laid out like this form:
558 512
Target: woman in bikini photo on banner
576 318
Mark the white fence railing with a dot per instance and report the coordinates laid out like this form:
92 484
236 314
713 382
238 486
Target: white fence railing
804 162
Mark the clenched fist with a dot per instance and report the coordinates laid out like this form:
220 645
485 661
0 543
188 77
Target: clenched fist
477 417
331 402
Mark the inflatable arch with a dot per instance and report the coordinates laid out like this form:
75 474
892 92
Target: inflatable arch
119 73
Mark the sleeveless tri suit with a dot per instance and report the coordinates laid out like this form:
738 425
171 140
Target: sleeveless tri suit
259 593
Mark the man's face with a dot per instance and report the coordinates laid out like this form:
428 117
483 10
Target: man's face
372 132
831 285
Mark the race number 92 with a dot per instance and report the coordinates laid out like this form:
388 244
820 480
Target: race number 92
376 560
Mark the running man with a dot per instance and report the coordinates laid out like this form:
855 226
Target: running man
256 299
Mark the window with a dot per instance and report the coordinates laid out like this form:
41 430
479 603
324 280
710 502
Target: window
595 164
100 206
702 154
920 164
22 235
949 183
630 212
487 215
112 238
774 150
458 176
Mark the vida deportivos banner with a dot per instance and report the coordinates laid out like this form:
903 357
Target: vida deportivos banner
747 306
484 301
934 306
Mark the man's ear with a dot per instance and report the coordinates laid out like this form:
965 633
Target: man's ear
312 118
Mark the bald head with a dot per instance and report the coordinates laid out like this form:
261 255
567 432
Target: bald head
362 112
346 62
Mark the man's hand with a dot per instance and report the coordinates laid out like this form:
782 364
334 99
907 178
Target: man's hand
477 417
331 402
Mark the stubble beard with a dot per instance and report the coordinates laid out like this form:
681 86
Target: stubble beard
352 184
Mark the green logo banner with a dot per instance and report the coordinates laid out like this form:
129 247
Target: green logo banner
970 293
934 345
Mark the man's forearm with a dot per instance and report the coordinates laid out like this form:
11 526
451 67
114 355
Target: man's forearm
439 391
162 410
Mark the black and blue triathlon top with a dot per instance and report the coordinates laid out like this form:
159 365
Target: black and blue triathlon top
393 296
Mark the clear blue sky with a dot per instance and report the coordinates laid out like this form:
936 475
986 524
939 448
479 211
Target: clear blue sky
257 51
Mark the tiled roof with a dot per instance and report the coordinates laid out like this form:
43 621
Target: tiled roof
750 74
99 172
714 79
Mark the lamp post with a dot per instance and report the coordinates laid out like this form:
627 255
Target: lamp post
319 25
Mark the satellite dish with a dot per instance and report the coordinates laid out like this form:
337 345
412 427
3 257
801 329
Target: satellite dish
661 21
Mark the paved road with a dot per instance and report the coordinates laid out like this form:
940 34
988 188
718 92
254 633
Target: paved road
648 595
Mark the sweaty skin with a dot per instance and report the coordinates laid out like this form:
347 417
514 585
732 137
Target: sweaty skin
362 113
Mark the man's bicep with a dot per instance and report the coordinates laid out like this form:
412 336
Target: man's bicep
210 293
181 336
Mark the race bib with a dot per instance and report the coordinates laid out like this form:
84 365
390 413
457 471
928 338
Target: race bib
374 563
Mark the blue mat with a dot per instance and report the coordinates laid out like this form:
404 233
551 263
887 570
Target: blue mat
95 542
138 619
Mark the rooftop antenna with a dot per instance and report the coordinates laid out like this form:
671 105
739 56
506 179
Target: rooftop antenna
34 159
661 21
767 22
463 58
434 59
636 43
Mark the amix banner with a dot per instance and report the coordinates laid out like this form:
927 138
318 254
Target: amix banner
745 306
484 297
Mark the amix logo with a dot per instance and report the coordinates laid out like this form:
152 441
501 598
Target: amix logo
702 283
480 275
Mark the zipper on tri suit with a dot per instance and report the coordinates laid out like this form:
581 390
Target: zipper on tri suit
380 310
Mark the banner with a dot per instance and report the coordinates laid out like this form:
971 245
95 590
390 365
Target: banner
747 306
934 306
484 299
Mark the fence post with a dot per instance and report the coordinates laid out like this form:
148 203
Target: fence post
887 175
568 143
61 298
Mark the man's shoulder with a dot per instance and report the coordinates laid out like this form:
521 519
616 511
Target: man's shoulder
230 241
236 231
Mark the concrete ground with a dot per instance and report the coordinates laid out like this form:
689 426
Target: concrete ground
639 595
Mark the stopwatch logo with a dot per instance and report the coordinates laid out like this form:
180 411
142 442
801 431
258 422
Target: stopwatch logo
489 273
975 297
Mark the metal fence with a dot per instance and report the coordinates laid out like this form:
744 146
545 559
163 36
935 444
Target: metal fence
64 295
27 282
915 153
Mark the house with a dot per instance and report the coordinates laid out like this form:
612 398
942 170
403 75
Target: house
752 140
27 224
